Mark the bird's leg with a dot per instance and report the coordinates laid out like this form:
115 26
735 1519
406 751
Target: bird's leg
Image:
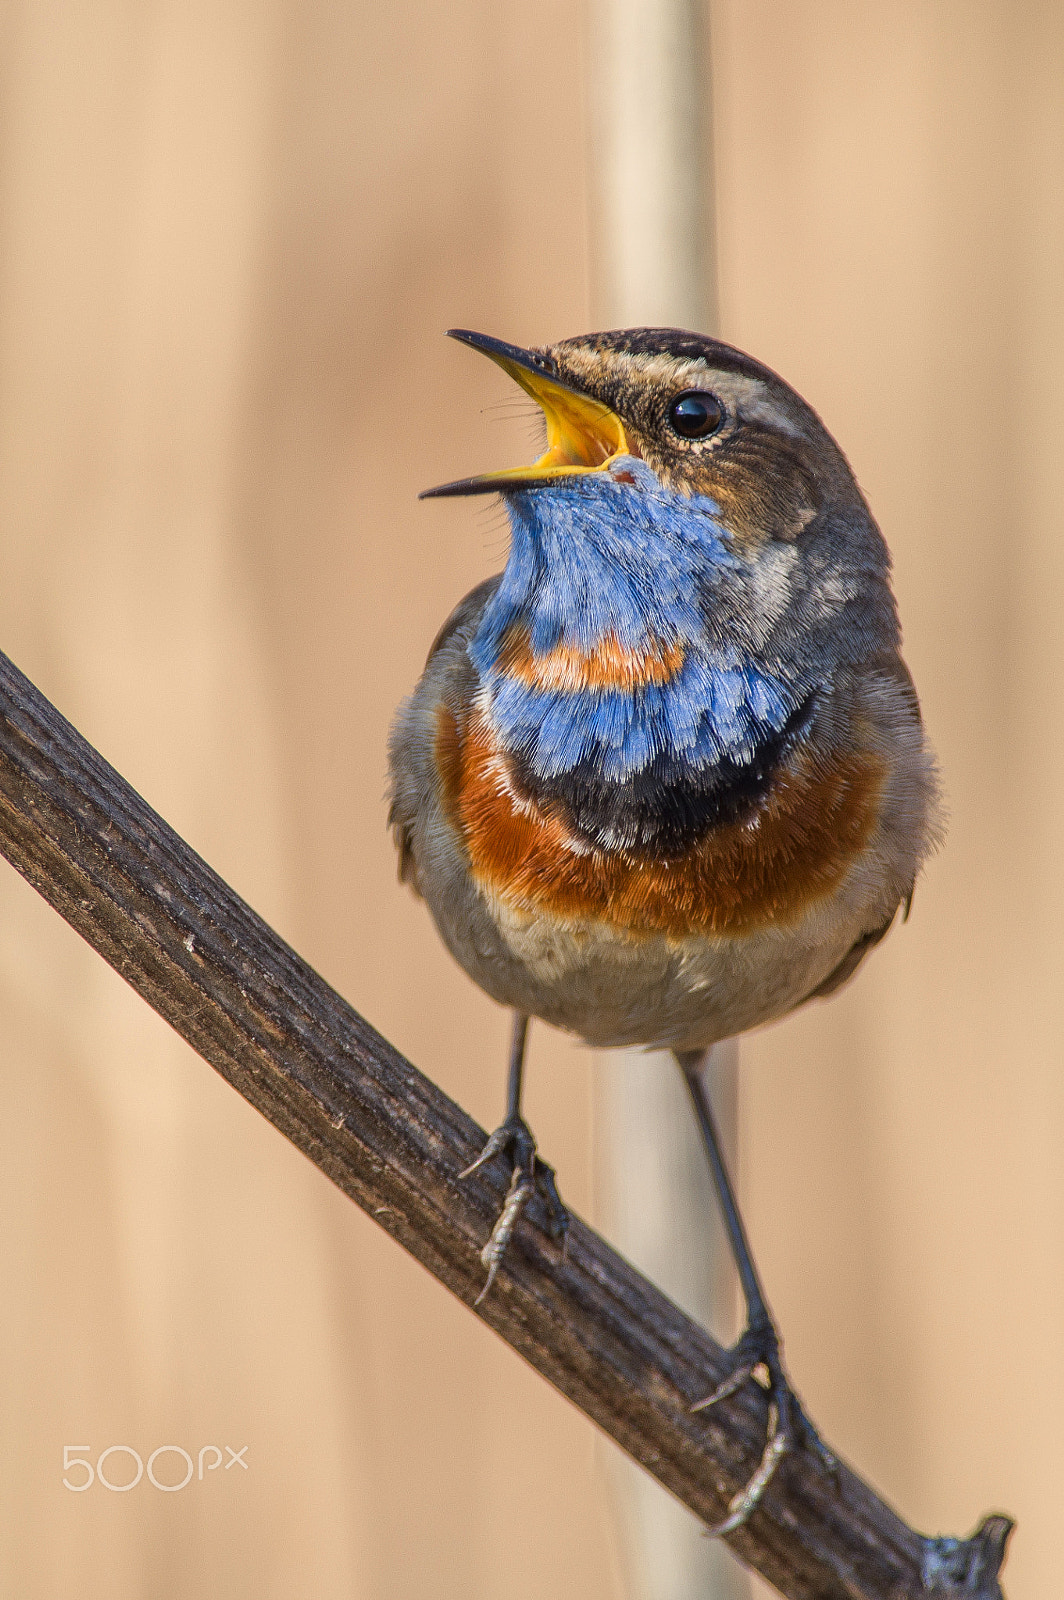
514 1138
759 1345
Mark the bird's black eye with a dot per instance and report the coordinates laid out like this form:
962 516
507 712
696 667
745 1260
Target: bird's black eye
696 414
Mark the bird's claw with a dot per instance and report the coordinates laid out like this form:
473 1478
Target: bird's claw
530 1174
518 1195
500 1140
788 1425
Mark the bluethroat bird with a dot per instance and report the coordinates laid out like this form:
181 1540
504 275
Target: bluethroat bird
665 778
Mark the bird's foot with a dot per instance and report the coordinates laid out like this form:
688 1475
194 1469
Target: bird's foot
757 1357
530 1174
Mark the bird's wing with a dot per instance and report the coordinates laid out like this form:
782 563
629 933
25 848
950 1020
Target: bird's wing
853 957
465 614
406 796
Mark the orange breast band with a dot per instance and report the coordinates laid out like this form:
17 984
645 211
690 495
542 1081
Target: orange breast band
740 877
567 669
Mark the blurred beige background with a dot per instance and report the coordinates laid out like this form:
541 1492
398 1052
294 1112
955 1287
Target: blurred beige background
230 237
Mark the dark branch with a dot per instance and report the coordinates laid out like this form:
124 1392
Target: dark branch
392 1141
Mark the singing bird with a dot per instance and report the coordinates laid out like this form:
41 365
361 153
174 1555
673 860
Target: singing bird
665 777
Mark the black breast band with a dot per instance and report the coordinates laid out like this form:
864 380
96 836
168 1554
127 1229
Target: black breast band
666 809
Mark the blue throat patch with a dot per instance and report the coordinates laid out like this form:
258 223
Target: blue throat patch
593 557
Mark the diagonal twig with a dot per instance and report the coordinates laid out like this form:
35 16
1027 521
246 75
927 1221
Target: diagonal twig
396 1145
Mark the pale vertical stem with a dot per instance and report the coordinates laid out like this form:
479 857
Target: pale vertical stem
654 266
652 163
655 1202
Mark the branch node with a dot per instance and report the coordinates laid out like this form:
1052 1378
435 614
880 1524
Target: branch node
968 1568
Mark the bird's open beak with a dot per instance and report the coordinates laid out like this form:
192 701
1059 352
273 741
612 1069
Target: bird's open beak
583 435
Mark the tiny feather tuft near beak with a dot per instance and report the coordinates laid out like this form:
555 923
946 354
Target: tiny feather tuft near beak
583 435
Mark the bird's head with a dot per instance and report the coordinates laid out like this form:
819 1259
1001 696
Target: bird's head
707 419
684 486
